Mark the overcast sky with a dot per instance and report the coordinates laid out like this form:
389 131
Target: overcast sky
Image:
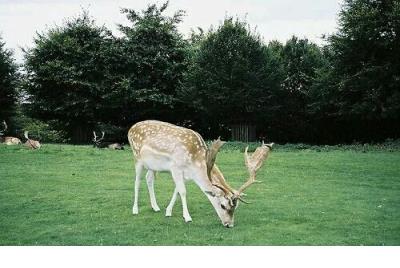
274 19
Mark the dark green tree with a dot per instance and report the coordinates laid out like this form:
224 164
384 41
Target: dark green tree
301 60
367 67
269 123
154 63
291 71
69 75
8 83
226 81
322 102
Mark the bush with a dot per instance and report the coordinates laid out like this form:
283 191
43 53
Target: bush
389 145
42 131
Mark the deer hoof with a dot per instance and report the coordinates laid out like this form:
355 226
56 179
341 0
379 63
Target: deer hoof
188 219
156 209
135 211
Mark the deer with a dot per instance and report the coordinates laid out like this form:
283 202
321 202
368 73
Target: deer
160 146
110 145
31 144
7 139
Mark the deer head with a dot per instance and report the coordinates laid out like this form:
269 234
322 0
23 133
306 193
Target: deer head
224 198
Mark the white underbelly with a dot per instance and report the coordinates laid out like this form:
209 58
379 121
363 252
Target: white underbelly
156 164
155 161
160 162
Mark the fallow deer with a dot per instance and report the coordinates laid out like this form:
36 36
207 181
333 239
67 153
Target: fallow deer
7 139
31 144
160 146
99 143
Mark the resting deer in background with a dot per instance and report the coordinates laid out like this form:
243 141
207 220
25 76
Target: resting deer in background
6 139
159 146
99 143
31 144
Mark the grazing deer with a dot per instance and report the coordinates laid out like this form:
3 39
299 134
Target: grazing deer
110 145
159 146
6 139
31 144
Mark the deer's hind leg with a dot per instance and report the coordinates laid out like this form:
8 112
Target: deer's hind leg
138 171
168 211
150 186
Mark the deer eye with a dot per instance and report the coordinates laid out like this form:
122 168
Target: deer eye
223 207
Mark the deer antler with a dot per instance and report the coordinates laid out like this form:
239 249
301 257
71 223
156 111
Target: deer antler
212 154
253 163
5 128
2 131
95 137
218 180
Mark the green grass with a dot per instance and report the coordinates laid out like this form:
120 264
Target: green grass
79 195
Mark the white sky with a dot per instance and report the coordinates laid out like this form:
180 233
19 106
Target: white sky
274 19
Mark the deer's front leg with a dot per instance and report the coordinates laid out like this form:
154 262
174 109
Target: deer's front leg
150 187
177 175
168 211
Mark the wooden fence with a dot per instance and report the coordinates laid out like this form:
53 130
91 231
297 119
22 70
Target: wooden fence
245 133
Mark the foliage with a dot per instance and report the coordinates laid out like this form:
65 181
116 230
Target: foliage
295 66
154 62
225 81
67 75
367 67
8 83
367 51
83 196
83 78
43 131
388 145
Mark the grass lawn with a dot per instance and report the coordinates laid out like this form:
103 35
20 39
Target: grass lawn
79 195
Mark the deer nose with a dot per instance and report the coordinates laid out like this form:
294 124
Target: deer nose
228 225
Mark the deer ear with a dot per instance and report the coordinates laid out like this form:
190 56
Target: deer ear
211 193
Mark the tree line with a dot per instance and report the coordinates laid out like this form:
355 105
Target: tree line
78 77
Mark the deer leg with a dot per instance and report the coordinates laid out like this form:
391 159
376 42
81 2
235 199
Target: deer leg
168 212
138 171
150 187
177 175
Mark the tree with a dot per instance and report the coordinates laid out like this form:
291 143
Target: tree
155 60
322 102
8 83
68 75
301 60
367 66
291 71
226 81
269 123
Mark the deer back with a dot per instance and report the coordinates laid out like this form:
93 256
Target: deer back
115 146
12 141
168 139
